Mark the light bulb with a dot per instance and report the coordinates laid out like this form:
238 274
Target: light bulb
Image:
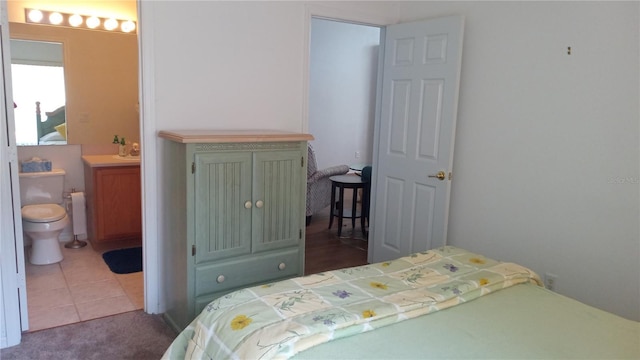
75 20
93 22
128 26
35 16
110 24
55 18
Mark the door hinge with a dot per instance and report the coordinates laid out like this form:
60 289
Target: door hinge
193 167
450 175
300 234
193 250
13 153
302 161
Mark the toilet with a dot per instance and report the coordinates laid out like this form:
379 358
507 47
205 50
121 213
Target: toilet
43 217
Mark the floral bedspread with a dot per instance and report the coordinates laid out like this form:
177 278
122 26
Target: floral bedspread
278 320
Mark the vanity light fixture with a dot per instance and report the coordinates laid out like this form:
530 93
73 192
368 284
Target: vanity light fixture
45 17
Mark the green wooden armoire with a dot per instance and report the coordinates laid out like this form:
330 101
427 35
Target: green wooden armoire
233 206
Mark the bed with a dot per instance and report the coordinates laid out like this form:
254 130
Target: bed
442 303
53 130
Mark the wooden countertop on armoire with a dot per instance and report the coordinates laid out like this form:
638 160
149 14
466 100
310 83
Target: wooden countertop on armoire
232 136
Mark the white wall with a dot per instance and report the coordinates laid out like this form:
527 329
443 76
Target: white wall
229 65
221 65
546 169
543 137
342 91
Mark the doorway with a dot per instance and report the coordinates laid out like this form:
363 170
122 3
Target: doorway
343 70
415 129
81 287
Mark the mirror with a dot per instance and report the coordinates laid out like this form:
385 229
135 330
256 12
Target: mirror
100 79
37 71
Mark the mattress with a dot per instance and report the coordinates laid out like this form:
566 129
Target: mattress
443 303
521 322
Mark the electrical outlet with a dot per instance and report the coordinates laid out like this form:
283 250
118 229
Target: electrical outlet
357 155
550 281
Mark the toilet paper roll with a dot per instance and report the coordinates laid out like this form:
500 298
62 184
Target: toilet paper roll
79 215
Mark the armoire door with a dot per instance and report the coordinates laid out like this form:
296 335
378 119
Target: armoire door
223 205
277 199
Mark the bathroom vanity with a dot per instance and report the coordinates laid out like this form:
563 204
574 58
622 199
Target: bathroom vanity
233 210
112 190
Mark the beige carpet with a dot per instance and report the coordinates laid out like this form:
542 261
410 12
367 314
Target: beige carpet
132 335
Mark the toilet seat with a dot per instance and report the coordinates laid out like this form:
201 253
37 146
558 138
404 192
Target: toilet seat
43 213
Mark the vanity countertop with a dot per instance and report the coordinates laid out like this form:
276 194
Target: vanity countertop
110 160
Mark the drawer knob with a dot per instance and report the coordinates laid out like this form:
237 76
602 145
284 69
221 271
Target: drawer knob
282 266
220 278
247 205
259 204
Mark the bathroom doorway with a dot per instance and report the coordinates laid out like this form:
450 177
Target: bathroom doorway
81 287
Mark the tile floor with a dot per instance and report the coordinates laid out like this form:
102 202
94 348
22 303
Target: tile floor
81 287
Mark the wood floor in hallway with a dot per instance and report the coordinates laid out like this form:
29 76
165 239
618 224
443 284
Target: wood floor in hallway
325 251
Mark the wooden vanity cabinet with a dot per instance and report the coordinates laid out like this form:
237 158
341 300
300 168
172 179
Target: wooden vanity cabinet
114 202
233 216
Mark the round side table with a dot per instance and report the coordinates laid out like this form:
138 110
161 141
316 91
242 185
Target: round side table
342 182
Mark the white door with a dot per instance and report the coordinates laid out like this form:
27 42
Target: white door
13 312
415 133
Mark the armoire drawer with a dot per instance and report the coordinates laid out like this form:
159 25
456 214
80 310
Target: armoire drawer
220 276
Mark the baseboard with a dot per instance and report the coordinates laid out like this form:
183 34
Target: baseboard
172 324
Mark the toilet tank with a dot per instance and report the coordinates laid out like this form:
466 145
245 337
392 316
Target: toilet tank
42 187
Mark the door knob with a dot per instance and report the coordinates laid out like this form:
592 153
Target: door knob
248 205
440 175
259 204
